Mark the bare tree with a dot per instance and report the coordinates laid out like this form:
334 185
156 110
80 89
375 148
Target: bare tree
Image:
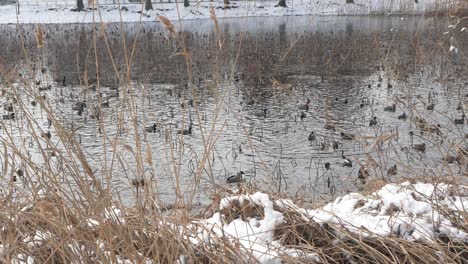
79 5
148 5
281 3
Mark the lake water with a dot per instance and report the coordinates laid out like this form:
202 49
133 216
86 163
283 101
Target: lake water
241 88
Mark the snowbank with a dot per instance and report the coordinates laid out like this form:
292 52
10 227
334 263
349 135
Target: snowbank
255 227
62 13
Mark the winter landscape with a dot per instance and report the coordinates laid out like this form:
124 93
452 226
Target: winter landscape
321 131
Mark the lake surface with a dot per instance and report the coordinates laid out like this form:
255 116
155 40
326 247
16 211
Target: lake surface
242 88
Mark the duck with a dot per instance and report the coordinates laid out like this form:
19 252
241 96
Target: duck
263 113
186 131
47 135
138 183
303 115
336 145
460 121
420 147
363 173
430 107
347 136
311 136
390 108
10 116
402 116
151 129
304 106
235 178
392 171
373 121
449 159
346 162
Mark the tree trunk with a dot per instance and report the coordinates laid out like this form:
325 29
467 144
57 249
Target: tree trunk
186 3
148 5
79 5
282 3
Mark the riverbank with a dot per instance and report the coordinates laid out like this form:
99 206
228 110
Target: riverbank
64 13
420 222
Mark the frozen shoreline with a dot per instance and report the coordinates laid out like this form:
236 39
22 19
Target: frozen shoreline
62 13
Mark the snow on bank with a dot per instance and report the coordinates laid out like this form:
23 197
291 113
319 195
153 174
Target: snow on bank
201 10
247 225
410 211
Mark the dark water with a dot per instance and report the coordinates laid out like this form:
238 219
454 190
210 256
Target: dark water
350 68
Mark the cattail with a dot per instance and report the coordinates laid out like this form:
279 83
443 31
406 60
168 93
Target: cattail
167 23
39 36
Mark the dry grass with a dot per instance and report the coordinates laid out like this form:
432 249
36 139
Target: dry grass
53 217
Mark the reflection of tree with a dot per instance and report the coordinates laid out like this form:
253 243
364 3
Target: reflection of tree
282 32
79 5
349 28
148 5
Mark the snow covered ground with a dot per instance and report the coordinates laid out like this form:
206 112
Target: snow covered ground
61 13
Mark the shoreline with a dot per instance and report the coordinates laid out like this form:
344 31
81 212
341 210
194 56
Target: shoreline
60 14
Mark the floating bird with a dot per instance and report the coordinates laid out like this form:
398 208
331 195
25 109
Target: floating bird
336 145
151 129
373 121
47 135
311 136
304 106
10 116
420 147
390 108
302 116
346 162
402 116
186 131
392 171
235 178
363 173
449 159
347 136
430 107
263 113
460 121
138 183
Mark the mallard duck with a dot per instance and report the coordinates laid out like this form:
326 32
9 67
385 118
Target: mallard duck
460 121
402 116
393 170
347 136
346 162
390 108
302 116
420 147
304 106
449 159
363 173
311 136
151 129
186 131
430 107
235 178
373 121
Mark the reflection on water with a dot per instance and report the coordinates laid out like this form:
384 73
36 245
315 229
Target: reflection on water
255 119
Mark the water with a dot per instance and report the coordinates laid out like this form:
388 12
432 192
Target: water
350 68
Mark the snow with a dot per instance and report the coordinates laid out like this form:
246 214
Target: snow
61 12
406 210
